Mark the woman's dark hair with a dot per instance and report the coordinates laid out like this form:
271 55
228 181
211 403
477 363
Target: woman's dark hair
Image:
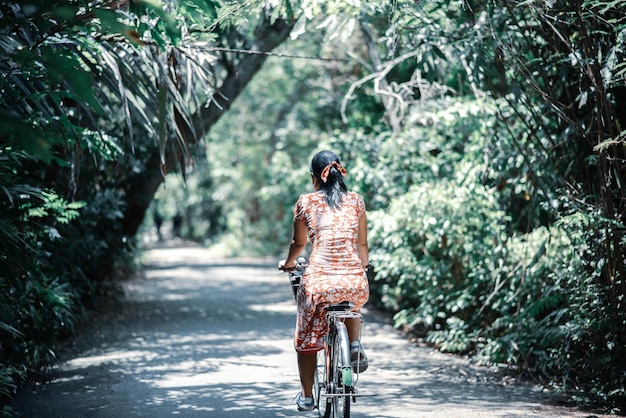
333 186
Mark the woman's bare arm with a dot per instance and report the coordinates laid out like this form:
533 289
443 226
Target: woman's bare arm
297 244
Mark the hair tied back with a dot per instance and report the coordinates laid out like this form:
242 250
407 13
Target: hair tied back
326 170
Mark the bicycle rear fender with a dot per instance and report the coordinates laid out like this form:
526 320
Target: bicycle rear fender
344 343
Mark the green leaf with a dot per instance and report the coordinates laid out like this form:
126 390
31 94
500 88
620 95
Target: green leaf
166 22
8 328
37 212
111 25
35 144
66 12
66 69
207 7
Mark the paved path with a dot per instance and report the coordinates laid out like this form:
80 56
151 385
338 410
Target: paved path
204 337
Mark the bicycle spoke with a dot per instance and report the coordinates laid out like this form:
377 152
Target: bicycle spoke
324 404
341 403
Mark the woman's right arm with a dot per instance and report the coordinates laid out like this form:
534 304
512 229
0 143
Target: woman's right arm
362 246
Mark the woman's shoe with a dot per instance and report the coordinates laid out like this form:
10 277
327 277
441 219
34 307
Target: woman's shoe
358 359
304 403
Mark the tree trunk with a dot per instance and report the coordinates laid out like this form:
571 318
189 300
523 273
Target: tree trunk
141 187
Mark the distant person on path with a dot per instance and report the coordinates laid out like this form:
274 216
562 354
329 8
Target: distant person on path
334 221
177 222
158 223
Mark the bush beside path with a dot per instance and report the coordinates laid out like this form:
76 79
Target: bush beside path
198 335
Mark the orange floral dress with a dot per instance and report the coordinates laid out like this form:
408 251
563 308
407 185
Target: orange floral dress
334 273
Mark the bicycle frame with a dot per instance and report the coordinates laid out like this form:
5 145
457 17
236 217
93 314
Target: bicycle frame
335 380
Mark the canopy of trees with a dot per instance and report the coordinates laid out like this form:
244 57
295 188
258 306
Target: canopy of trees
488 139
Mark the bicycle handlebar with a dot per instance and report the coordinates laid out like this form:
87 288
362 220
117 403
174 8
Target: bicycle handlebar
300 265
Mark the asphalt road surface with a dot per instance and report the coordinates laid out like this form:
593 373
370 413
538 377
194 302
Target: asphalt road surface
200 336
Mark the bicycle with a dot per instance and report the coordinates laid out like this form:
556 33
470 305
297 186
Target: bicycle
335 380
335 384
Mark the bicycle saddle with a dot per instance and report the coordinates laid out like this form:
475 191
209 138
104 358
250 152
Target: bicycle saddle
341 306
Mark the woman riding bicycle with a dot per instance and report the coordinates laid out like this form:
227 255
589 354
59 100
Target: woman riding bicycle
334 221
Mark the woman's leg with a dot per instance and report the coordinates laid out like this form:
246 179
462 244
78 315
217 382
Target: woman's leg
354 328
306 365
358 358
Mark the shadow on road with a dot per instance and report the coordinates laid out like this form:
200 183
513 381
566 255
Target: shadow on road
198 336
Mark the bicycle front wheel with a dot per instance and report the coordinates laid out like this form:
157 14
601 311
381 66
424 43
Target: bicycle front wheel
341 374
324 403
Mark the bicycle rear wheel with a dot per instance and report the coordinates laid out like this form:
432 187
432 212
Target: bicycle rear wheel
324 403
341 375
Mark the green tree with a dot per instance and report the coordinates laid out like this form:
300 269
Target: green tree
100 100
552 151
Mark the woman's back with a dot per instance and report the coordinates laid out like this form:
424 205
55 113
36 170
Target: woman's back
333 233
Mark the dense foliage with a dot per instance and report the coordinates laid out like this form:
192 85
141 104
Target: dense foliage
486 137
516 254
99 100
491 165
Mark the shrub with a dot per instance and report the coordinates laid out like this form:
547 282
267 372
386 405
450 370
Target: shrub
438 252
36 306
530 301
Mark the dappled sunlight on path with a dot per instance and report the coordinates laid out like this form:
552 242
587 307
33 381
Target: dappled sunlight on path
203 336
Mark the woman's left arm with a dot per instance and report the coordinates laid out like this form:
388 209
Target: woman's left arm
298 243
